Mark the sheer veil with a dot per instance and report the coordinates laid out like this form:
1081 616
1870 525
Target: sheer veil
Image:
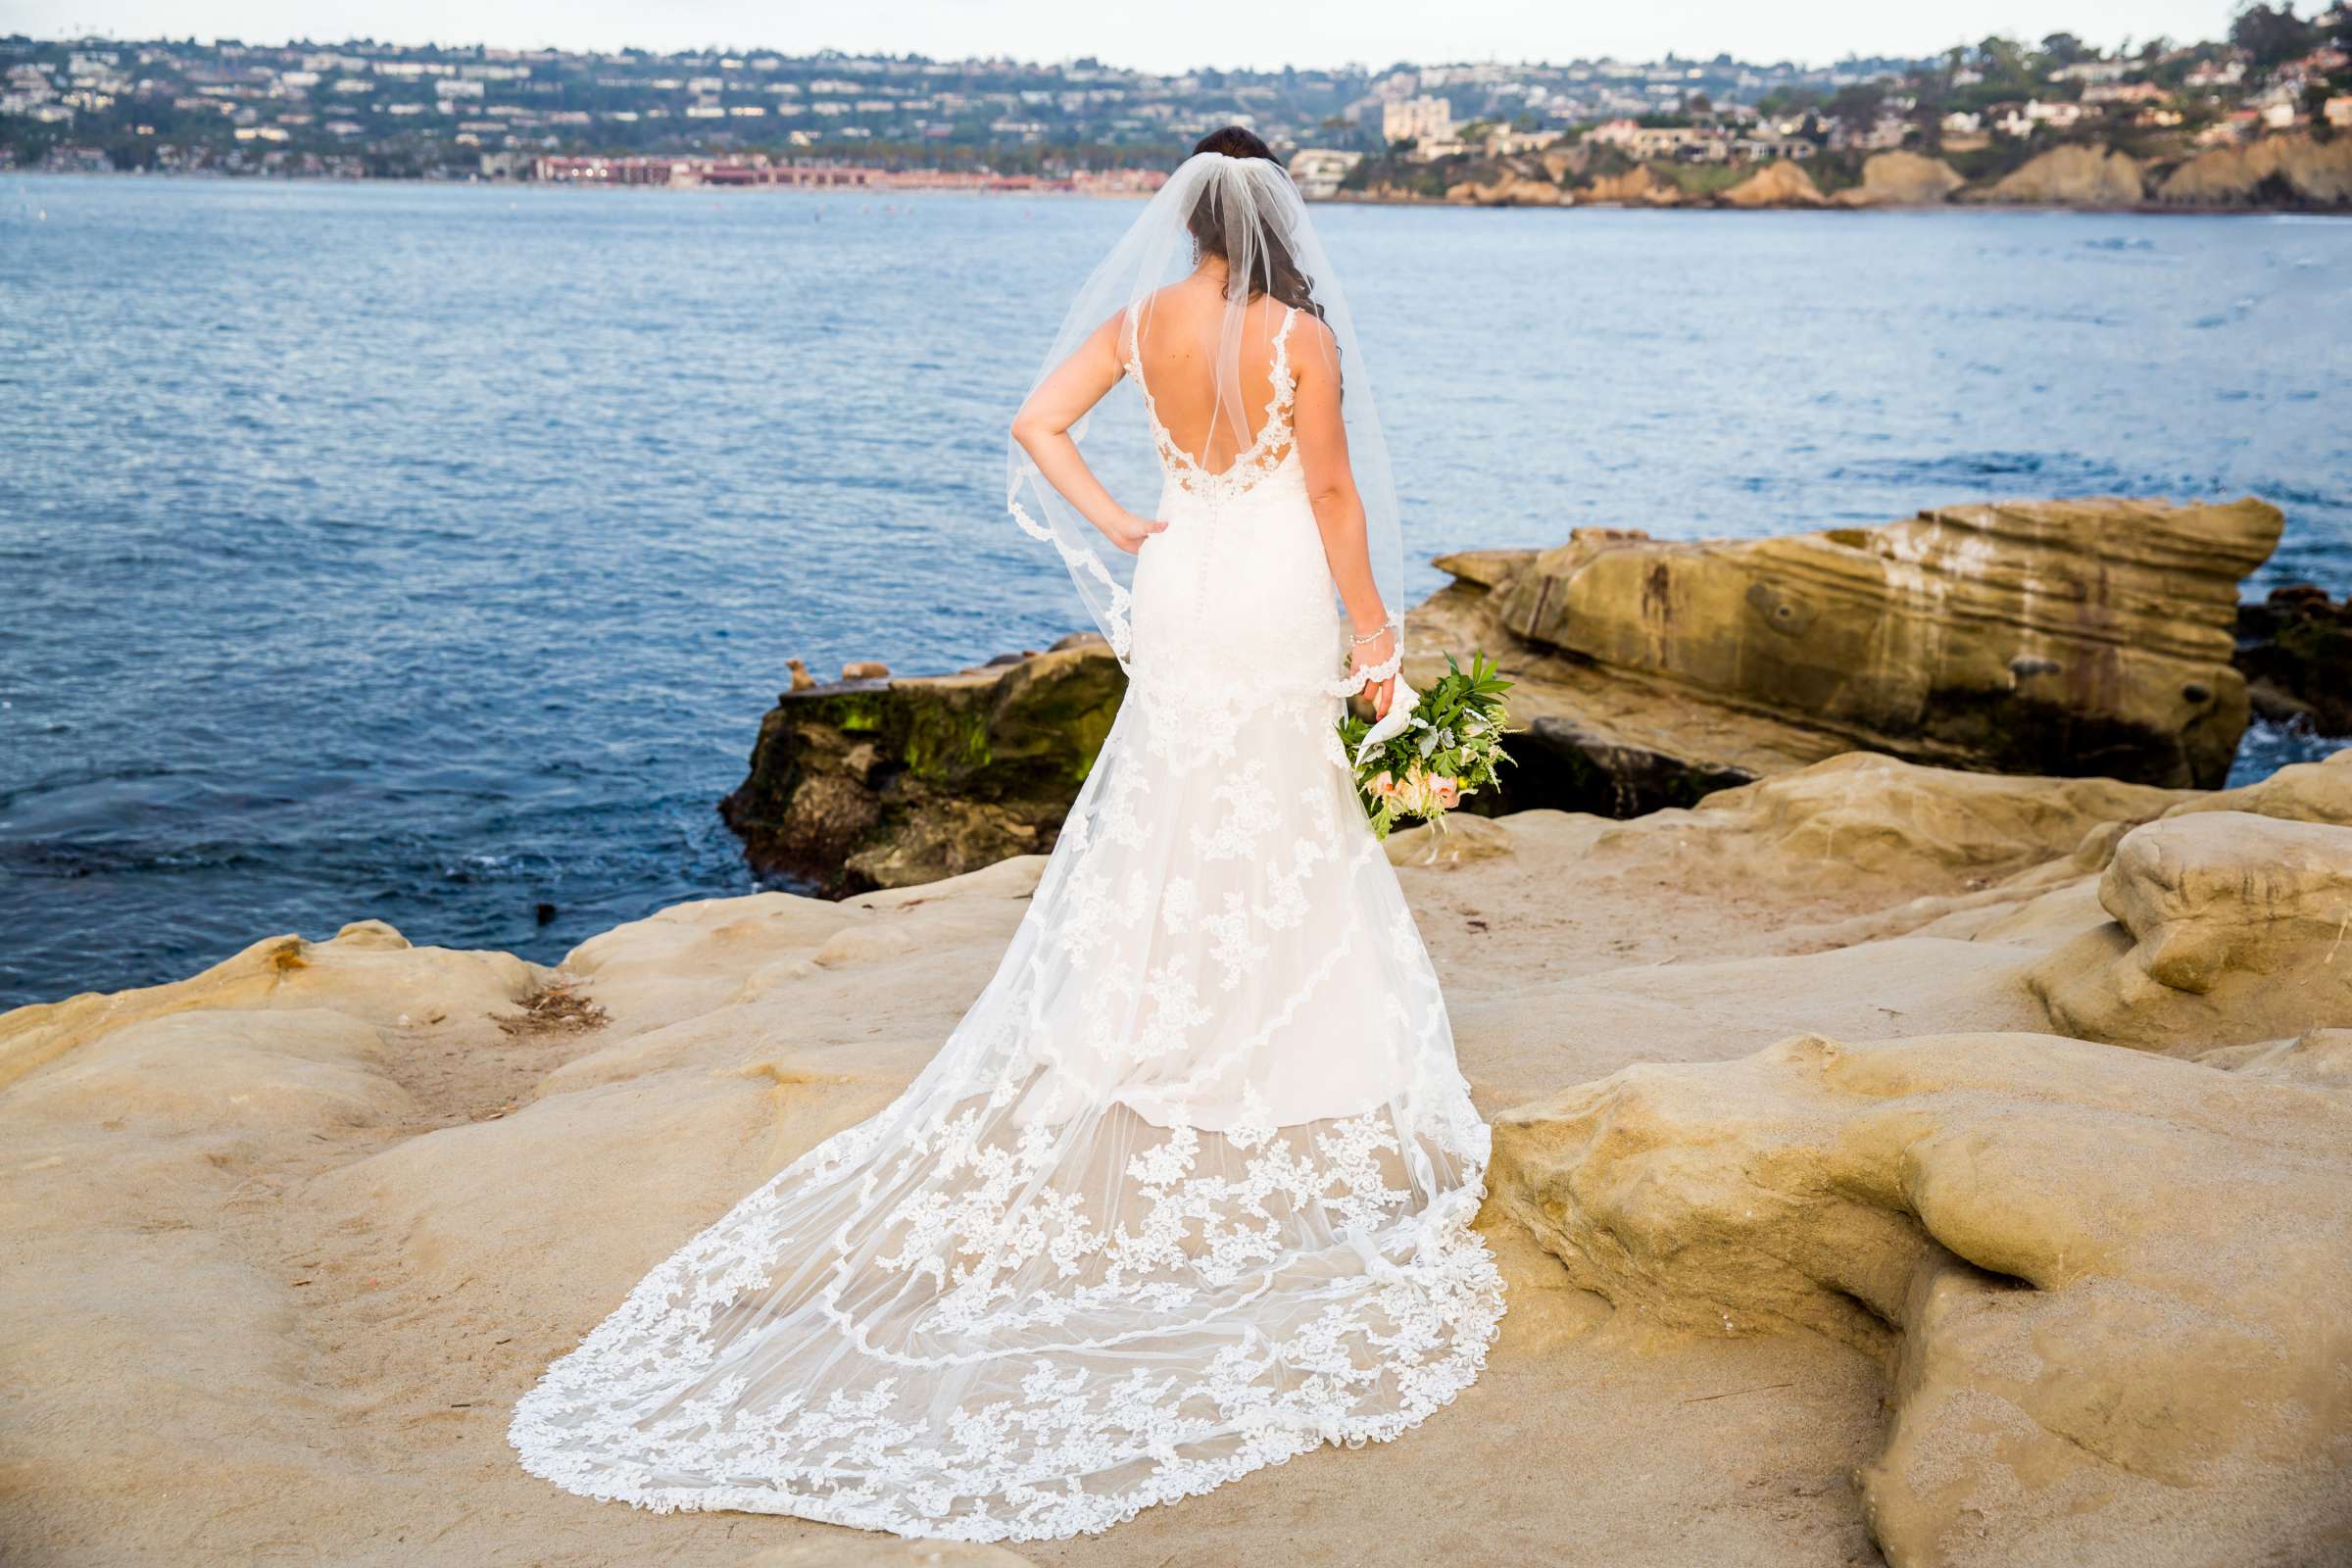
1275 253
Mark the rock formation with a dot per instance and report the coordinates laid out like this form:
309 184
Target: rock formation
2295 651
2073 637
1635 187
1508 187
2229 927
1815 1234
2073 176
2274 172
1777 184
882 783
2049 1243
1902 179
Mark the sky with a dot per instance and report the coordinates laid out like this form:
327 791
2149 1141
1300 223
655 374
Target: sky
1166 35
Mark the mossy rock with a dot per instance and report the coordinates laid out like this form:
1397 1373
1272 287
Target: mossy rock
888 783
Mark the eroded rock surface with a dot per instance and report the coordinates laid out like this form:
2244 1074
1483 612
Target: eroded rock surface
287 1240
2071 176
2227 928
1902 179
1777 184
2060 637
2274 172
2086 1355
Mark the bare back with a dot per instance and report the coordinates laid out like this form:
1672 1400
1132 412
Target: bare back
1173 344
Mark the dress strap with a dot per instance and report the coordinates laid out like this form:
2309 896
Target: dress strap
1286 384
1135 344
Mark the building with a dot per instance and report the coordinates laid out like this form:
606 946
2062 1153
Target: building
2217 74
1417 121
1772 149
2337 111
1319 171
1512 143
2124 92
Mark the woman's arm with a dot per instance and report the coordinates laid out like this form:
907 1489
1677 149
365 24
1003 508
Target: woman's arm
1042 429
1322 436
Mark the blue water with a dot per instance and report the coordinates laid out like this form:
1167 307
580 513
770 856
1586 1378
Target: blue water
431 552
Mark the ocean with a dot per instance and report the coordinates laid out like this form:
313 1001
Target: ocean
431 552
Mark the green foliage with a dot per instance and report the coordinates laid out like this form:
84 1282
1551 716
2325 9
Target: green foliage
1450 748
2272 34
1702 179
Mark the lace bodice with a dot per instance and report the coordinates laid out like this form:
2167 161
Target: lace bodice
1273 447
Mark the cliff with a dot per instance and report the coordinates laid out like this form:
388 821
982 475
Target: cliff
2276 172
2069 176
1779 184
2297 173
1890 1162
1902 179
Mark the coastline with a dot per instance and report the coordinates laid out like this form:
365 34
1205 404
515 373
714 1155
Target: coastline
1344 198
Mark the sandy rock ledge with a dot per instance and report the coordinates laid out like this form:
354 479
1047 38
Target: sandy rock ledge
1893 1164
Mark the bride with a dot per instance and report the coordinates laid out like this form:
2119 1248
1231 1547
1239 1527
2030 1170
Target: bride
1189 1190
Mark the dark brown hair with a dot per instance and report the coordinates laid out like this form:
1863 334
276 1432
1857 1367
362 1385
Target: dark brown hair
1276 272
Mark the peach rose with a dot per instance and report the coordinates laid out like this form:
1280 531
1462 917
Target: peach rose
1445 791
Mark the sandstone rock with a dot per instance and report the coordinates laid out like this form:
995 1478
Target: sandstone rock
1635 187
2064 637
1777 184
2295 651
2300 791
2274 172
1507 188
2094 1347
273 1252
860 786
370 970
1902 179
2228 928
2073 176
1868 819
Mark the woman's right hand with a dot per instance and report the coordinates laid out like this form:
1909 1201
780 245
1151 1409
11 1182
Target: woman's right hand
1371 656
1129 531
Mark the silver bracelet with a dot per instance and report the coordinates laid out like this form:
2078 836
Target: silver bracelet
1370 637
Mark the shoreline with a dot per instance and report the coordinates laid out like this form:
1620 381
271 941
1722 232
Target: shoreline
1343 199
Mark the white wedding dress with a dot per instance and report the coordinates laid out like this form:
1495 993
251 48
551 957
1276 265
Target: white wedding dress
1188 1191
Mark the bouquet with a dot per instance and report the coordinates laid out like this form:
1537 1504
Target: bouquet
1434 748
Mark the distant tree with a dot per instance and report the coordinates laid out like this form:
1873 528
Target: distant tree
2272 35
2065 49
1857 107
2003 63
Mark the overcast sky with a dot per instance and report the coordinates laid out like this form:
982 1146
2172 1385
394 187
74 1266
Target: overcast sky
1166 35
